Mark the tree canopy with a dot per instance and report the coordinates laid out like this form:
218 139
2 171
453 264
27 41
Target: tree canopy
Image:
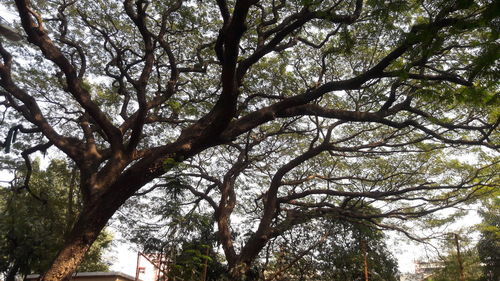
278 113
341 251
162 222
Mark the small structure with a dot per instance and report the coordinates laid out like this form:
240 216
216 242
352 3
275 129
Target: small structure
151 267
411 277
427 268
423 270
91 276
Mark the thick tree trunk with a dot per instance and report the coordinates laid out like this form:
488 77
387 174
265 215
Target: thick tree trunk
90 223
99 208
70 257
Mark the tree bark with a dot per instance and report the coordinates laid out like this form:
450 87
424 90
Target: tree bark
91 221
365 260
84 233
11 275
240 272
98 208
459 259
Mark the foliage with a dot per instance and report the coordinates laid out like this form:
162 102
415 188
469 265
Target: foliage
488 246
479 260
338 254
267 115
450 270
186 237
33 229
192 261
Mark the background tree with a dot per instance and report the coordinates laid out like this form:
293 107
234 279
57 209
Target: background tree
177 227
488 246
33 224
162 223
195 261
305 108
451 271
452 265
476 256
337 254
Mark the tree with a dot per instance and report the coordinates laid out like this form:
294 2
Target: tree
196 261
488 246
461 261
182 235
337 254
464 259
319 107
33 224
451 272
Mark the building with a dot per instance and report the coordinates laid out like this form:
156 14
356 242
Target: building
92 276
426 268
151 267
423 270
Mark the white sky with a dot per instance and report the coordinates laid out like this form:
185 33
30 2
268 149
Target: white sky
124 259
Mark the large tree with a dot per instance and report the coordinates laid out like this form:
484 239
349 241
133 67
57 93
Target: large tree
308 109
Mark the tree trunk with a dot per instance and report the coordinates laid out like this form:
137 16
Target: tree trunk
83 234
70 257
85 231
365 260
238 272
11 275
459 259
98 209
242 272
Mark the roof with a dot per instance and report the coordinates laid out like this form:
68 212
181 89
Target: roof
92 274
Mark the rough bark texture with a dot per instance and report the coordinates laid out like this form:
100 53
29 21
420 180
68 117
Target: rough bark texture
84 233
